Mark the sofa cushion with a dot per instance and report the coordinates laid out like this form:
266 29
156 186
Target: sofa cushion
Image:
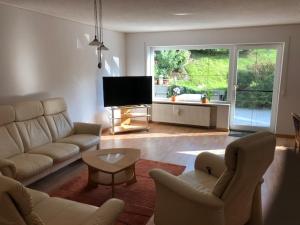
59 125
29 165
57 118
57 211
84 141
37 196
57 151
28 110
7 114
10 139
34 133
11 143
32 125
54 106
199 180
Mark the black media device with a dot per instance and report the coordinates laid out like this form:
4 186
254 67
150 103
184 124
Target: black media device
122 91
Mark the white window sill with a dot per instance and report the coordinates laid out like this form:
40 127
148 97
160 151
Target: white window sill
168 101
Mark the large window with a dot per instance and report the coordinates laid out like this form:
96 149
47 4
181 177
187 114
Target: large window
191 73
246 76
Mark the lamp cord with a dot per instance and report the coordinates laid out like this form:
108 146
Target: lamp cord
100 21
96 18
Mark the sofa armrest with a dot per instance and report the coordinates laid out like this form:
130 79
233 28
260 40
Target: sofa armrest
179 203
107 214
87 128
7 168
37 196
210 163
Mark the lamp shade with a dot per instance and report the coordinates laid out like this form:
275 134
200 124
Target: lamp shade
103 47
95 42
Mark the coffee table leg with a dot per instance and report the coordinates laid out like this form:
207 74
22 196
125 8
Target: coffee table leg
91 184
113 185
133 180
134 177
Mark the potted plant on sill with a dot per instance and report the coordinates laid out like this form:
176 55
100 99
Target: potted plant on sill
206 97
176 91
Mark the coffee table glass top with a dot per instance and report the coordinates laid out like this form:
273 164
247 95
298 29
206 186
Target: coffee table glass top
112 157
111 160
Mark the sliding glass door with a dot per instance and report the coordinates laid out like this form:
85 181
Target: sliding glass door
255 87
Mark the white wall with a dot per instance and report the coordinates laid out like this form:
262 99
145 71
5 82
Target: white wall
136 44
43 56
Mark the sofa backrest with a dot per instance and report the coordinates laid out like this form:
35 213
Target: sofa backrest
32 125
10 140
57 117
246 159
17 205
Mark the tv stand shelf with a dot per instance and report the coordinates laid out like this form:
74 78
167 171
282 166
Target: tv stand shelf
122 118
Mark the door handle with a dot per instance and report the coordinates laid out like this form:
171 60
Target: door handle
235 87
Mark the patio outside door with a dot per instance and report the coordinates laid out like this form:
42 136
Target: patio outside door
255 87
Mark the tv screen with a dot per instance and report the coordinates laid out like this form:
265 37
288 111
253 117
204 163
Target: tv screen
122 91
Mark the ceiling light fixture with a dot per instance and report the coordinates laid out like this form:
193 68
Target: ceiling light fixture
182 14
98 31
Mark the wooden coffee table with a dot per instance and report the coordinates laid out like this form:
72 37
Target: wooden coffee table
111 166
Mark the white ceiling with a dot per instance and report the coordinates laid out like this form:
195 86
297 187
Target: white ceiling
167 15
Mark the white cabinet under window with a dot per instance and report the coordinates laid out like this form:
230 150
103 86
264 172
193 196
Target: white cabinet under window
204 115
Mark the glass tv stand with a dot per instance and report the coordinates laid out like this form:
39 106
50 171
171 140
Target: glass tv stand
130 118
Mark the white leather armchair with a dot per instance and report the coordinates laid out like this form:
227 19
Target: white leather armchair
219 191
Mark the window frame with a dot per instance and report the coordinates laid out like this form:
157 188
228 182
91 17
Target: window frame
280 83
150 63
280 47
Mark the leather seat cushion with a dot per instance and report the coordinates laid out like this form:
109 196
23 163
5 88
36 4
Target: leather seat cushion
57 211
7 114
10 140
37 196
34 133
29 165
199 180
84 141
57 151
54 106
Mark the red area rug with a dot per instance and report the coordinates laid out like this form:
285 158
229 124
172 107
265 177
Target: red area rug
139 198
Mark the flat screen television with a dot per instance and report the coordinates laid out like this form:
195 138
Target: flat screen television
122 91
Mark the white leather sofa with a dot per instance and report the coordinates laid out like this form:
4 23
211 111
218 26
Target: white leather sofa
24 206
38 138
